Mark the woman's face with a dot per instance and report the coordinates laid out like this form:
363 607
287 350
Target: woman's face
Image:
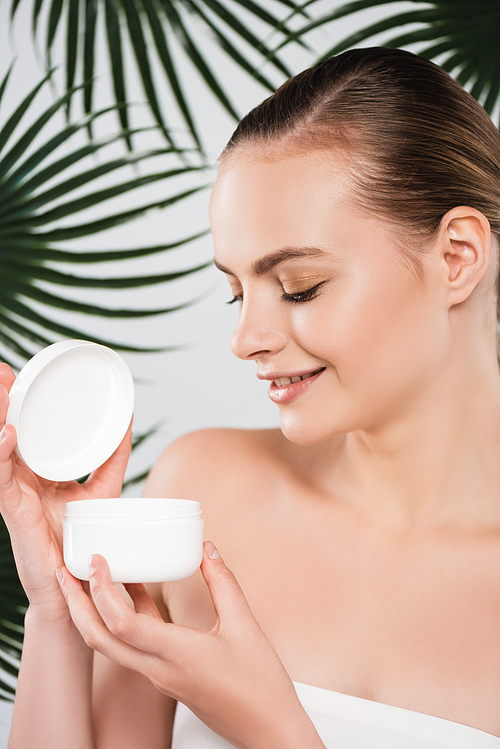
325 294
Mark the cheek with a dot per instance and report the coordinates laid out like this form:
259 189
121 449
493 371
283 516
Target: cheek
380 332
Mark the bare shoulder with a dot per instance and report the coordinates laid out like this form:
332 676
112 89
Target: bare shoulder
199 463
231 473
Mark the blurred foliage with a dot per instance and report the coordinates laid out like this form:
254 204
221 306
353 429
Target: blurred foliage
36 197
463 37
167 31
13 605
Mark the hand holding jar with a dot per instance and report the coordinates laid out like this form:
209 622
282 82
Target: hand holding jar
229 676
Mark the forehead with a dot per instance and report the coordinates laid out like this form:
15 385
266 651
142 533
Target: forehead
269 202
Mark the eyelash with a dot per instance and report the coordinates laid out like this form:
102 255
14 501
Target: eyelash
301 296
237 298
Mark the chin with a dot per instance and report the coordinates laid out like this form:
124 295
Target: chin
308 432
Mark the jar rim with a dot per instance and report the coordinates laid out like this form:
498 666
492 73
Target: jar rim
133 507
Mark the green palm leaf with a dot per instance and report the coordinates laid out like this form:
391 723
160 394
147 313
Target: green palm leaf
465 34
13 605
38 179
171 25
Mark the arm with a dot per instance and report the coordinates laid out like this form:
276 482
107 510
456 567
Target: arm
53 696
128 711
53 707
67 696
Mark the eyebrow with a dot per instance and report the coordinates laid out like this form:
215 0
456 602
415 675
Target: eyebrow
265 264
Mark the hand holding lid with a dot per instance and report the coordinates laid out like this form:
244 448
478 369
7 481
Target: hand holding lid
33 506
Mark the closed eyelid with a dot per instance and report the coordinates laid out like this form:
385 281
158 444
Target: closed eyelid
300 277
308 291
303 280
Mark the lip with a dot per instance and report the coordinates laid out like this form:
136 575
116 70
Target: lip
271 376
287 393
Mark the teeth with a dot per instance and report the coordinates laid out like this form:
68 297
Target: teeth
282 381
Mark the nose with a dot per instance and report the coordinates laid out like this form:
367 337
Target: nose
257 333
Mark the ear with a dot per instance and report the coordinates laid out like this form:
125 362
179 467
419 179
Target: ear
465 244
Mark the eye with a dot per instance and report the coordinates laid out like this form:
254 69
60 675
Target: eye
237 298
302 296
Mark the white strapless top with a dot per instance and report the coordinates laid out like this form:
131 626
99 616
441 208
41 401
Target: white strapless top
346 722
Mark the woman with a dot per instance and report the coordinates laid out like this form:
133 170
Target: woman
356 215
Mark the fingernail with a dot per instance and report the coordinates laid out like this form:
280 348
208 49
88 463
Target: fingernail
59 575
2 434
211 550
93 562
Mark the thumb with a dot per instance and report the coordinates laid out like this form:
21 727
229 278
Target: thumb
9 497
227 597
8 442
107 480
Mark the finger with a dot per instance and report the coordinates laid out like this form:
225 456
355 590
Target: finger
138 629
227 596
8 437
4 402
8 441
7 376
107 480
143 602
92 628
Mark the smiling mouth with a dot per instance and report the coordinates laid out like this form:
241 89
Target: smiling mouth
283 381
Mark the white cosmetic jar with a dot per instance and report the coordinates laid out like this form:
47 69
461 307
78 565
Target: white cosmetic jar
144 540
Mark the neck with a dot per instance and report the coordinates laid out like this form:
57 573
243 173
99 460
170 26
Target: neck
436 464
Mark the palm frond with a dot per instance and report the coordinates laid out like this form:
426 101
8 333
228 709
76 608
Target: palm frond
13 605
44 182
157 30
3 84
464 34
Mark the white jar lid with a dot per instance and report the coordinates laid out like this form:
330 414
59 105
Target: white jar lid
71 405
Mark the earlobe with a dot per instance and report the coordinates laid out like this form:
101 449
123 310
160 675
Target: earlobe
466 239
